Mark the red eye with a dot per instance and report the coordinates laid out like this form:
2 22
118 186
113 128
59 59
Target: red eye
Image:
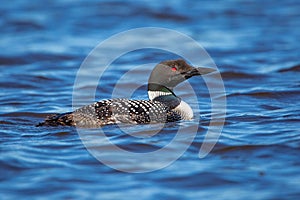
174 69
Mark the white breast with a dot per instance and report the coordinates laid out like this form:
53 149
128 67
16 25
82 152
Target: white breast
184 110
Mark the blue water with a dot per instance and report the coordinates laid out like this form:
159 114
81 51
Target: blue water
256 48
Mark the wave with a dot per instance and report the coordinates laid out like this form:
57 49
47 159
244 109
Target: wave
239 75
267 94
295 68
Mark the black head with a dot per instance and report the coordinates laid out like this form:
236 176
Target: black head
168 74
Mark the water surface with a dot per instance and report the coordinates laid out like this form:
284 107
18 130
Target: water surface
256 48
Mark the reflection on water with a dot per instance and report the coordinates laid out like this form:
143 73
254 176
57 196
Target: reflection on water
253 44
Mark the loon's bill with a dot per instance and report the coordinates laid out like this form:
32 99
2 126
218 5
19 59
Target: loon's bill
163 105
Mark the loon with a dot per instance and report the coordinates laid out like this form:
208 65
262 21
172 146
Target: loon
163 105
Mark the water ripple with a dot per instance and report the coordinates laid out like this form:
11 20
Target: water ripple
253 45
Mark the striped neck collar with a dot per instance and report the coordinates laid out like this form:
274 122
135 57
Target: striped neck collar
153 94
156 90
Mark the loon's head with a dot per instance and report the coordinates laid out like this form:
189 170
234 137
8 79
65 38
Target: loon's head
168 74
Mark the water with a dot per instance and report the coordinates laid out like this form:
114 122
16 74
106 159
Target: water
254 44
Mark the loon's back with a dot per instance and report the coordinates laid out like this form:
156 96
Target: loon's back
115 111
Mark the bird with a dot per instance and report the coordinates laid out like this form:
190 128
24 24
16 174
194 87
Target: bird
162 106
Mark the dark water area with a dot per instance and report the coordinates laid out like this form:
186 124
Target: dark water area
256 48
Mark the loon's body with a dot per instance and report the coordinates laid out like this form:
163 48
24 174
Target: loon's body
163 105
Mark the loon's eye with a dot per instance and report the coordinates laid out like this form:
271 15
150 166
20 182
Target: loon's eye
174 69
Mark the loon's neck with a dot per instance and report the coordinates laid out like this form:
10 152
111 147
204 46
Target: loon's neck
154 94
167 96
156 90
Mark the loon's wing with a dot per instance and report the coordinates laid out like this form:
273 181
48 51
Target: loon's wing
137 111
114 111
